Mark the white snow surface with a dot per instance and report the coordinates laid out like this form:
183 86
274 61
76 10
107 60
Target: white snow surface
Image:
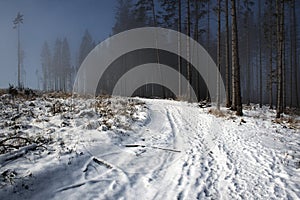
161 150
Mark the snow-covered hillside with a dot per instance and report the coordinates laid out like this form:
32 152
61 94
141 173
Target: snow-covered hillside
119 148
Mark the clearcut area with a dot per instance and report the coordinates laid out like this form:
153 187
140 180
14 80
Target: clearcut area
133 148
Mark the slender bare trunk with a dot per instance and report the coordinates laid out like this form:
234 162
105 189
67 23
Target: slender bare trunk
291 52
237 103
260 64
295 52
19 58
219 54
248 65
271 57
179 48
196 2
279 10
271 75
283 71
188 48
228 96
208 42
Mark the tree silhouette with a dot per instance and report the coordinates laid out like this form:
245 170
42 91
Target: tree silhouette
17 21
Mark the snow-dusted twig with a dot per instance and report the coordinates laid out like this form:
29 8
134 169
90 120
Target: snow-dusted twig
17 154
12 138
153 147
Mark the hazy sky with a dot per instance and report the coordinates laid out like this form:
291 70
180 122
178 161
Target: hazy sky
45 20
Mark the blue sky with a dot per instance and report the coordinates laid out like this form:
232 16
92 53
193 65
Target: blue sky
45 20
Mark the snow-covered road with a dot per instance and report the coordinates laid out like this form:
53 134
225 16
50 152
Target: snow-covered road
165 159
179 152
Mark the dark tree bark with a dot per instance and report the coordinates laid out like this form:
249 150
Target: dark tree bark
236 100
196 29
260 64
188 47
208 40
269 34
291 52
295 51
228 96
219 54
283 70
279 12
270 74
179 47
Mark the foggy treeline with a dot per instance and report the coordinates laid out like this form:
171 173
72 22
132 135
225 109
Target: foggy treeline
58 73
267 45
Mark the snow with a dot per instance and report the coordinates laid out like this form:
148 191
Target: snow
132 148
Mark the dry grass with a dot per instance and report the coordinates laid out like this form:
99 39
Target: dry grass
3 91
292 111
63 95
216 112
289 122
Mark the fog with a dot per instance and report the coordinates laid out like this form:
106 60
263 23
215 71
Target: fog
46 20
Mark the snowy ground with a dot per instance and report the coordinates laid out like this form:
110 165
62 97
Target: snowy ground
124 149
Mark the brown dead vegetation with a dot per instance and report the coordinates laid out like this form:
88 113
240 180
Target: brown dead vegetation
216 112
288 122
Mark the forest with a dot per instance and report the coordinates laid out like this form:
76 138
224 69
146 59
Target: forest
155 143
254 43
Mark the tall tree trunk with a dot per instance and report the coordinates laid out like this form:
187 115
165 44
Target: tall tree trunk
228 96
271 75
219 54
291 52
283 71
271 56
260 64
179 48
295 52
247 82
188 48
237 101
196 2
19 58
208 43
279 11
248 63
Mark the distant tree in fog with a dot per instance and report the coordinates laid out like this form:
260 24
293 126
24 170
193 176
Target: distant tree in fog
66 71
87 44
57 71
17 21
57 63
46 67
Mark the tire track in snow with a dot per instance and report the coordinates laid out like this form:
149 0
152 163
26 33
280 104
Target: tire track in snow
196 177
167 172
235 166
198 162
